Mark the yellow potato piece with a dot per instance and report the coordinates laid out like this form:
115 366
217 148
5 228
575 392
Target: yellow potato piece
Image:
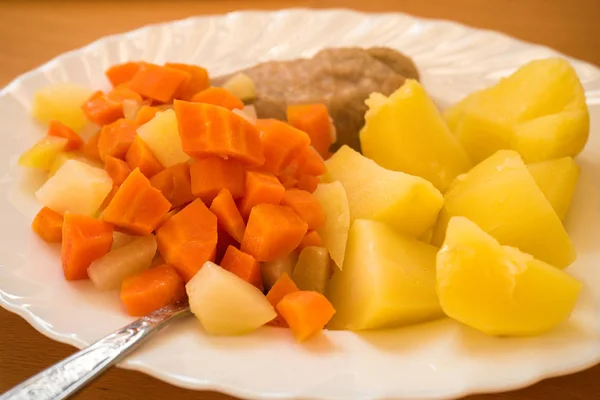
497 289
313 269
334 233
162 137
44 153
61 102
407 133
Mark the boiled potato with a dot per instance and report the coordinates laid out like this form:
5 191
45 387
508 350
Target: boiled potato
334 233
388 280
539 110
499 289
162 137
271 271
501 196
313 269
43 154
408 203
557 179
61 102
407 133
241 86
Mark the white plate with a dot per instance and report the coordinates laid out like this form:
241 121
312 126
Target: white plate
432 361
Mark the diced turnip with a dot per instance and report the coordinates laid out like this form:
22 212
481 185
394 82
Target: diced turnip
121 239
131 108
313 269
226 304
241 86
76 187
272 270
162 137
43 154
61 102
109 271
248 113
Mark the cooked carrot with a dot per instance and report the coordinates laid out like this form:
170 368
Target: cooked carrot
281 142
117 169
168 216
158 83
58 129
308 183
306 206
288 181
137 207
145 114
101 110
243 265
311 238
315 121
219 97
140 156
122 93
48 225
209 130
272 232
175 184
198 81
212 174
116 138
305 312
188 239
224 241
90 148
261 187
308 162
151 289
278 291
84 239
108 199
229 218
121 73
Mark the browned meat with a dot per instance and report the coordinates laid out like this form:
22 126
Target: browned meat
341 78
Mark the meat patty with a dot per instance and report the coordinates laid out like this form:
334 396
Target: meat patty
341 78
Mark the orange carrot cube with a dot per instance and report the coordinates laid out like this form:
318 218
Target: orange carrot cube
308 183
260 188
101 110
243 265
219 97
158 83
281 143
140 156
175 184
306 206
311 238
229 218
48 225
278 291
121 73
315 121
210 175
118 170
305 312
145 114
198 80
58 129
116 138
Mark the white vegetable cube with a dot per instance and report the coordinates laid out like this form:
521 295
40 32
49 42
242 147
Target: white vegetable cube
76 187
162 137
241 86
61 102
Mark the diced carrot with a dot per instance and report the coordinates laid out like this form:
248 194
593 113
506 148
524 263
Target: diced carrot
137 207
311 238
281 143
224 241
175 184
90 148
308 182
48 225
101 110
84 239
315 121
117 169
308 162
188 239
278 291
140 156
219 97
272 232
209 130
121 73
243 265
122 93
306 206
210 175
288 181
58 129
108 198
115 138
305 312
229 218
158 83
261 187
151 290
198 82
145 114
167 217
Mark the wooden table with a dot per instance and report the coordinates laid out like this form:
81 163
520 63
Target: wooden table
33 32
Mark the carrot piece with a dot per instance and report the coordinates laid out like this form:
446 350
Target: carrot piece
272 232
145 114
117 169
167 217
308 183
261 187
121 73
188 239
140 156
288 181
311 238
116 138
219 97
229 218
210 175
306 312
90 148
224 241
309 162
209 130
158 83
151 289
48 225
58 129
315 121
121 93
137 207
243 265
198 82
281 142
108 198
175 184
306 206
101 110
278 291
84 239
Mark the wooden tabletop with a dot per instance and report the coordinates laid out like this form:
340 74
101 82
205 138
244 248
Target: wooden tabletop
33 32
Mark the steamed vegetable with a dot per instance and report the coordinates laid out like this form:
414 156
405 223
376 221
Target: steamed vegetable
48 225
61 102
